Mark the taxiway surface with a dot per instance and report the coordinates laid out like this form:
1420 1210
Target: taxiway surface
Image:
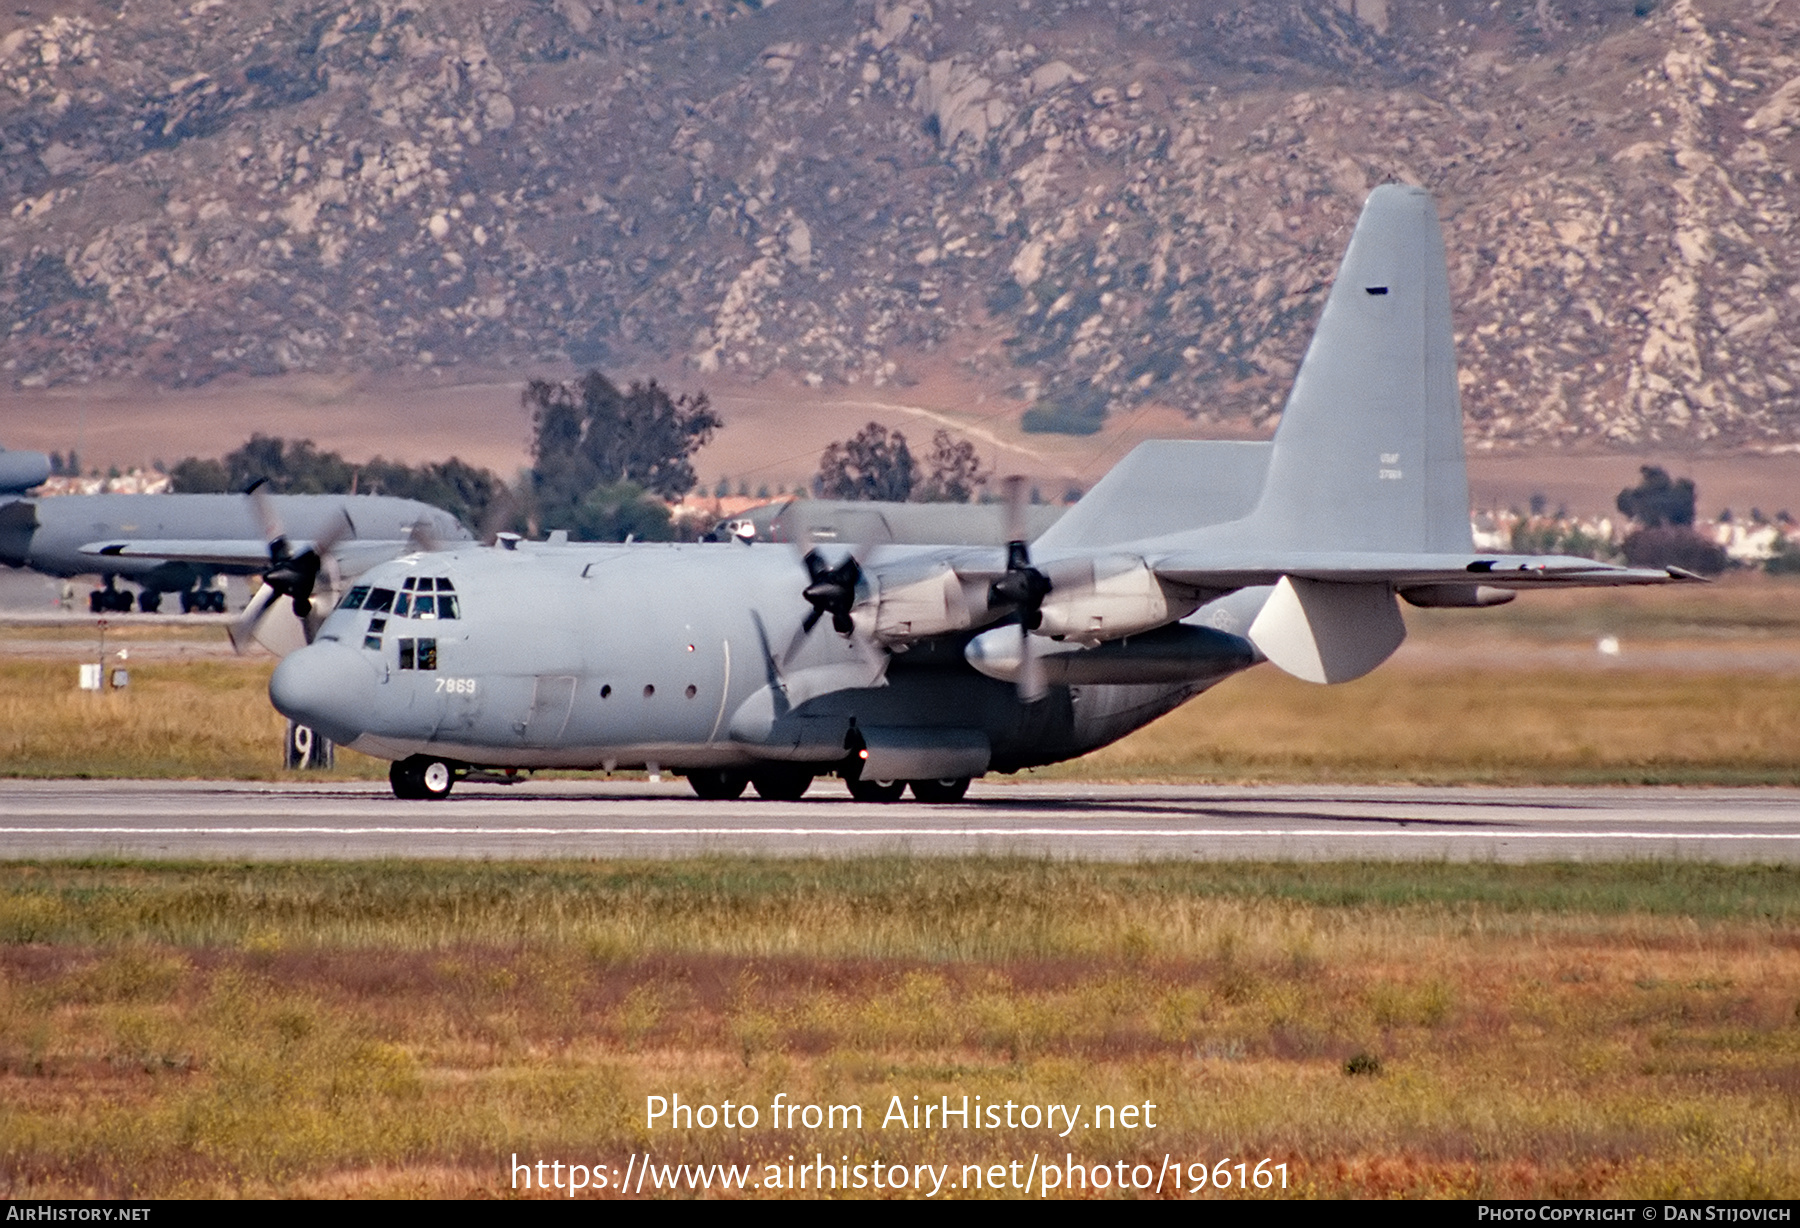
187 819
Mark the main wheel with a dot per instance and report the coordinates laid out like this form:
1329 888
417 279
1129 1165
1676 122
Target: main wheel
876 790
717 786
781 784
149 601
938 791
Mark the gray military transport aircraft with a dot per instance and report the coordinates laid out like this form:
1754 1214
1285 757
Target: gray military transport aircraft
1187 563
178 543
872 523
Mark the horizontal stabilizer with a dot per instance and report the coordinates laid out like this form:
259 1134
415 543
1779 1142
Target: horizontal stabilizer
1224 571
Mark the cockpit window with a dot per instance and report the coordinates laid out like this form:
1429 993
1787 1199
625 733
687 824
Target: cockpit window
381 600
446 603
353 600
424 605
402 604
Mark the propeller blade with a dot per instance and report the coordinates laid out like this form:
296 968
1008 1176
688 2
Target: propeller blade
1015 508
422 537
795 644
334 533
243 631
499 514
267 519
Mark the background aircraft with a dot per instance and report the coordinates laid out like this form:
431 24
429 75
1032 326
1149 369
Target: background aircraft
1187 563
178 543
20 471
881 523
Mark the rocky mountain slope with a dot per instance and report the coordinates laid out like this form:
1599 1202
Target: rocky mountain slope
1095 202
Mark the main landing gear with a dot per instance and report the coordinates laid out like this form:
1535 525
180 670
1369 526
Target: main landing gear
934 792
110 599
203 601
789 784
717 785
421 778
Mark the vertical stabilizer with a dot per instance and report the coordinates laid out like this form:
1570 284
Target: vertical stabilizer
1369 453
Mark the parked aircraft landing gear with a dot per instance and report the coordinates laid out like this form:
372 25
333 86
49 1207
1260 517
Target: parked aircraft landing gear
109 600
149 601
421 778
204 600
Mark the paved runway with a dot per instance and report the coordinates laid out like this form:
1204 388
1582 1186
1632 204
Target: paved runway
170 819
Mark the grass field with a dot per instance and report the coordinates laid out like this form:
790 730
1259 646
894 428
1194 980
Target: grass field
1626 1031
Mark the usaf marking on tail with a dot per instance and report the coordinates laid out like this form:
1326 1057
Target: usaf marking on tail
1188 563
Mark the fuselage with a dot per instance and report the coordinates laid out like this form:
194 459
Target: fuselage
591 656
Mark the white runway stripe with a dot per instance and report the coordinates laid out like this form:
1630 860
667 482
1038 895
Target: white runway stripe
1156 833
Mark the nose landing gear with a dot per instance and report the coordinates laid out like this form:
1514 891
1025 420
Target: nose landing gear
421 778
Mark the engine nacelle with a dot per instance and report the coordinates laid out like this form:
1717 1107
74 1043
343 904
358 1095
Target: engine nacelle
937 603
1092 600
1173 654
20 471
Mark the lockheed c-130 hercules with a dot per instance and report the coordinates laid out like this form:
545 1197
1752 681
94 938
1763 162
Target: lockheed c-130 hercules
1189 562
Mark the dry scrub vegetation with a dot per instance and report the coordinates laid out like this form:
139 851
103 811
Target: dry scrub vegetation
1538 1031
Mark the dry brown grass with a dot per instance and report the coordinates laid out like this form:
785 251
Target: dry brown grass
1444 723
358 1030
209 718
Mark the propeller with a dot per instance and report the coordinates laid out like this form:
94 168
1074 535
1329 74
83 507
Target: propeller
1023 589
831 589
289 575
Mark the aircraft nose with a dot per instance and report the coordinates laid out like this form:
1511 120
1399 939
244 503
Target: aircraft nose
327 686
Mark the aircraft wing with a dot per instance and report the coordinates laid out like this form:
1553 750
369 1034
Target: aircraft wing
1215 570
249 553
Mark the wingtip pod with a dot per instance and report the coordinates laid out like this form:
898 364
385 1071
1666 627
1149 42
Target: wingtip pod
1324 632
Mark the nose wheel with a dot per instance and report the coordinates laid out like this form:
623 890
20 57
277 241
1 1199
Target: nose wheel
421 778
